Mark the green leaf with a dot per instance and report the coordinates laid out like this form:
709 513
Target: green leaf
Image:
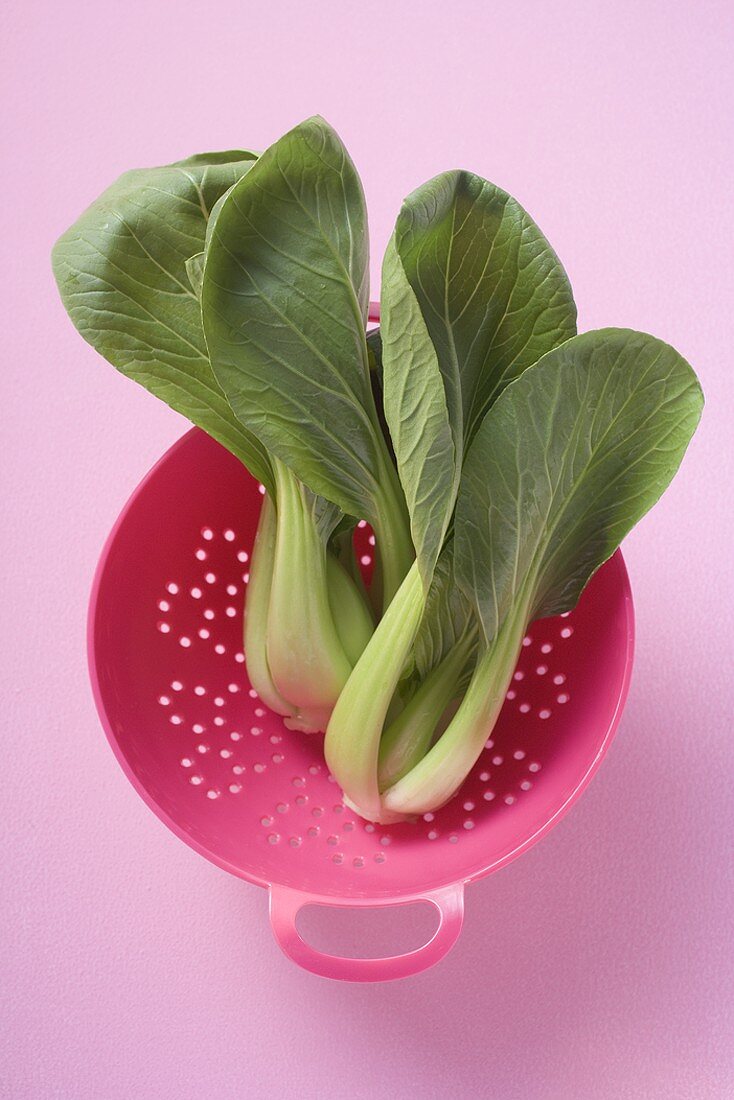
569 458
124 274
449 615
285 301
325 516
417 415
472 295
195 264
492 291
224 157
374 355
195 272
213 215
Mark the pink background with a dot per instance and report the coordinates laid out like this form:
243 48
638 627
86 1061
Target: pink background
599 964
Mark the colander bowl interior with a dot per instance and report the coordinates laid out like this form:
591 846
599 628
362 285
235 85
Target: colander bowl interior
165 634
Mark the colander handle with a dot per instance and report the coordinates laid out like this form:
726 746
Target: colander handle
284 907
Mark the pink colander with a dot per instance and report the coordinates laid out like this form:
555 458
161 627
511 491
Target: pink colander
171 687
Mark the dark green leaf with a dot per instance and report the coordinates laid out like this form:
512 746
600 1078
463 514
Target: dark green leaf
448 615
569 458
124 273
285 301
472 295
195 272
417 416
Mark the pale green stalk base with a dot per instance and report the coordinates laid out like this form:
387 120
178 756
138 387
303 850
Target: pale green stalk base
353 734
444 768
256 611
305 656
407 740
352 618
342 547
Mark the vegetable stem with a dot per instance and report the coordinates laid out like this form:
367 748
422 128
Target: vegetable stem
353 734
406 740
342 547
306 659
256 611
352 617
437 777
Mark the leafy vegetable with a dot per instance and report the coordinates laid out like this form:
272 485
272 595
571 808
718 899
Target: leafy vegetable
285 301
130 272
305 654
122 274
570 457
499 457
472 293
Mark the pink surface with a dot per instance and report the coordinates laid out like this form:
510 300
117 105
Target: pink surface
599 964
